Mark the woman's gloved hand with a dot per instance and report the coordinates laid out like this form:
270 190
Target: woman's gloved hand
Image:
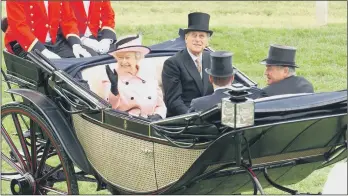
113 77
154 117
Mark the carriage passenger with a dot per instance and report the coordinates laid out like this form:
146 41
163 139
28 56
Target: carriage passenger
49 26
221 76
281 75
183 77
96 23
133 87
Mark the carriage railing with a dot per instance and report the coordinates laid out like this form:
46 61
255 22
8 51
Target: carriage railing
62 83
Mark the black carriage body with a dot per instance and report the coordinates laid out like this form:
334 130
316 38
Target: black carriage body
290 135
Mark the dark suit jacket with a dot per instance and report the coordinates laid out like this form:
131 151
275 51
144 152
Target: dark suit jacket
290 85
209 101
182 82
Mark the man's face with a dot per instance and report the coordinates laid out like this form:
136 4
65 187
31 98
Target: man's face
275 73
196 41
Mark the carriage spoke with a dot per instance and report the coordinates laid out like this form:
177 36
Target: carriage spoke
51 189
22 139
11 163
39 191
33 160
13 148
33 150
25 123
43 158
51 172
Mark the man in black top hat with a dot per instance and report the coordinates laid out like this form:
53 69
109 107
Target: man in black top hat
281 75
221 76
182 75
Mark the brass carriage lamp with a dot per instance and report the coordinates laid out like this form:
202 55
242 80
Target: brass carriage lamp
237 111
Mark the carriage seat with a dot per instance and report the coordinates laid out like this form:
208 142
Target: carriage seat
94 75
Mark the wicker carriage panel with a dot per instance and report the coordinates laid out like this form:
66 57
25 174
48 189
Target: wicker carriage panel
122 160
172 162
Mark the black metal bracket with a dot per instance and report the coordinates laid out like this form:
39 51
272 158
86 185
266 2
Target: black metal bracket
238 146
101 185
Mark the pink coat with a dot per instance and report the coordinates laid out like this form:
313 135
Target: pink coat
139 95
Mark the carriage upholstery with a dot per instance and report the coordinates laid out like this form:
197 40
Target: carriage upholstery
94 75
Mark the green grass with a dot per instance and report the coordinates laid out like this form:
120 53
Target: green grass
246 29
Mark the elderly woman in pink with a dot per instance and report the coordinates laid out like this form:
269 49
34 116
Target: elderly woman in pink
131 87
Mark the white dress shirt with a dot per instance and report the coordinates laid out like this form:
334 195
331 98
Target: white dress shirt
88 31
48 37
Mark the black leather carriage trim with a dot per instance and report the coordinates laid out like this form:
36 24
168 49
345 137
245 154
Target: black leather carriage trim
301 102
23 69
292 121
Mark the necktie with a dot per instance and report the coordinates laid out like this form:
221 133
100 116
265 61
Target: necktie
199 65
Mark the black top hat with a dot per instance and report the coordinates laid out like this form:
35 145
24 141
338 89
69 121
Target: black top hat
198 21
221 64
280 55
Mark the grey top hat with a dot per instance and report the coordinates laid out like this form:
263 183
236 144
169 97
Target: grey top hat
280 55
198 21
221 64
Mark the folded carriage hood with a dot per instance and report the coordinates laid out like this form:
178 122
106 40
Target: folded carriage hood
286 103
176 44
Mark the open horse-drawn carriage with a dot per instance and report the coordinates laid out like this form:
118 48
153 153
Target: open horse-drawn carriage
61 132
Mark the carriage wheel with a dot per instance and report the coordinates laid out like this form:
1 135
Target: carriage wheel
33 161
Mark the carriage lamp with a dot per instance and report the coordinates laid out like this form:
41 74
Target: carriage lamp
237 111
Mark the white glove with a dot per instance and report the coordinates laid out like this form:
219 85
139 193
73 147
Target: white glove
91 43
78 50
104 46
50 54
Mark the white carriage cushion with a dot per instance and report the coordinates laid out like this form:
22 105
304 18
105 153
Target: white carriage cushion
156 62
94 75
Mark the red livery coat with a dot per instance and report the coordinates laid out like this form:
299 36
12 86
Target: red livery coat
101 17
28 23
